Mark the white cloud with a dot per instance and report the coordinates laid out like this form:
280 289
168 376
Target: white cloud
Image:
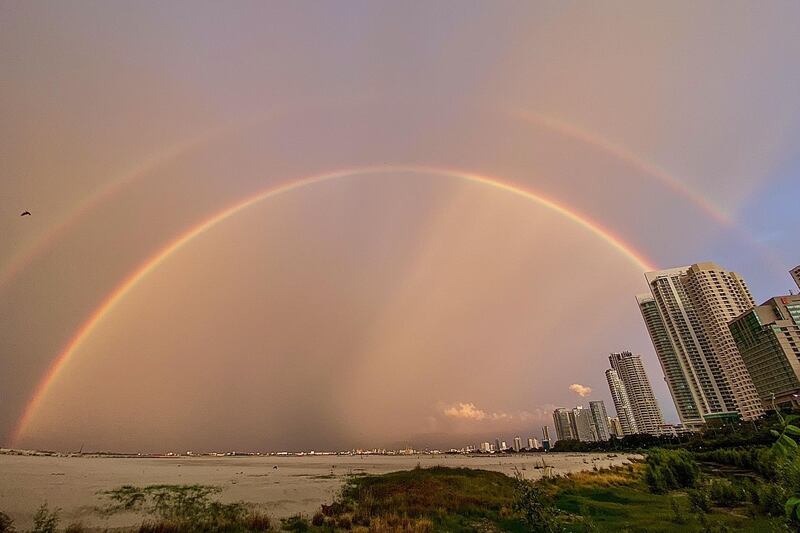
580 390
466 411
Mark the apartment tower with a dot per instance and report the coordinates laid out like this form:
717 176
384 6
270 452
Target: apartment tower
622 403
563 423
582 424
719 296
675 371
599 420
690 361
643 402
795 272
768 339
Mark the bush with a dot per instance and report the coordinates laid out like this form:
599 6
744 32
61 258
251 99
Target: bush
770 499
724 493
699 501
75 527
45 520
678 516
182 508
538 510
667 470
295 523
6 523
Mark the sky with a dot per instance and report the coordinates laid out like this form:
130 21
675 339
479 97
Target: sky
327 225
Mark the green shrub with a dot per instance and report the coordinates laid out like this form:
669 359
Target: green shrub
678 516
537 510
667 470
724 493
180 508
45 520
699 500
295 523
6 523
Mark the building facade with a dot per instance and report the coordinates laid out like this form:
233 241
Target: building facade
768 339
795 272
563 423
719 296
646 411
675 373
582 424
597 409
621 403
691 360
614 427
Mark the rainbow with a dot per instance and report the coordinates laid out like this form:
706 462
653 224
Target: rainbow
151 163
629 158
56 368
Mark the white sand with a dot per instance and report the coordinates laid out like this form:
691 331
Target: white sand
299 484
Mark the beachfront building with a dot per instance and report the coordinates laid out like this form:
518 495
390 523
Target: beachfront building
563 423
621 403
644 406
582 424
768 340
599 418
704 369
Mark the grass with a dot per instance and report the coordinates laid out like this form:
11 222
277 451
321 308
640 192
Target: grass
619 500
458 499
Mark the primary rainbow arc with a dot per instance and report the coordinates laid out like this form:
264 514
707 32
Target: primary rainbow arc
154 261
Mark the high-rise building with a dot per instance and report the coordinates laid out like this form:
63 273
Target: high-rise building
691 367
486 447
643 402
599 417
545 438
622 403
497 446
582 424
674 373
563 423
615 427
795 272
768 339
533 443
719 296
517 443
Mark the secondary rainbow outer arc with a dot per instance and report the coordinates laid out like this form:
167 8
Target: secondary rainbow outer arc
154 261
24 257
623 154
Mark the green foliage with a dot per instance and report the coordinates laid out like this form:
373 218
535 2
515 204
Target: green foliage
45 520
670 469
725 493
699 500
537 509
6 523
182 508
295 523
788 455
759 459
678 516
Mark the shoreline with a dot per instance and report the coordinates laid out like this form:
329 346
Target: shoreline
280 485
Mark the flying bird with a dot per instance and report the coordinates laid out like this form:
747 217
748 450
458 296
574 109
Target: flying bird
25 214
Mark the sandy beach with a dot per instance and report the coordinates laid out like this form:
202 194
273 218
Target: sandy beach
297 485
